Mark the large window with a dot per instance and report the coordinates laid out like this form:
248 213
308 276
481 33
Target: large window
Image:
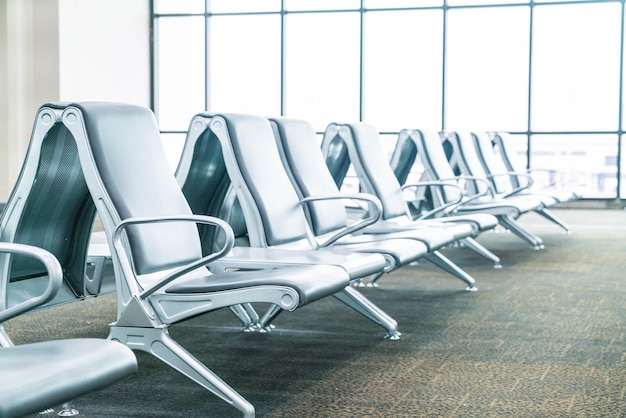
549 71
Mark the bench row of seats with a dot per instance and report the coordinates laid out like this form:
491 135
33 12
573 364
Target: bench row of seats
289 164
462 176
490 182
252 217
43 262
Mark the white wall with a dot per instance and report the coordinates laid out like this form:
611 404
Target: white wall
66 50
28 47
104 50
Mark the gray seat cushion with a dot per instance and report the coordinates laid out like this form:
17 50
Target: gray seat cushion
311 282
40 375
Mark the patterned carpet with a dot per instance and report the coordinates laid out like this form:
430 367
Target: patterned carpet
545 336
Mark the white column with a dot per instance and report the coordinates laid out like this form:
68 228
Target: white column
29 47
66 50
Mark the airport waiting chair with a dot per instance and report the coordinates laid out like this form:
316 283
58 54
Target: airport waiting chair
359 143
304 161
203 177
155 247
437 167
205 182
407 169
520 177
44 232
50 208
260 201
495 171
466 158
501 180
37 376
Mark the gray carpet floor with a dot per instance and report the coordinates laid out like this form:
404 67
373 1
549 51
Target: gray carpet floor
545 336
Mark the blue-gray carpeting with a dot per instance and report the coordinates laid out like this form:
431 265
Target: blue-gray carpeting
545 336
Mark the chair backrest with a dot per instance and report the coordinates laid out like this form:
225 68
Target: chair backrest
370 164
50 208
466 158
512 164
129 176
302 157
432 154
336 154
404 156
267 198
204 180
492 163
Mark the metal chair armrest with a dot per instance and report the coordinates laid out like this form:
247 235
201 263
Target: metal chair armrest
445 208
55 278
469 198
374 212
199 219
515 190
553 183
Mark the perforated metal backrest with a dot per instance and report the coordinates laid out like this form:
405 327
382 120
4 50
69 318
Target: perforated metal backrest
206 182
403 156
50 206
336 155
297 142
202 176
129 175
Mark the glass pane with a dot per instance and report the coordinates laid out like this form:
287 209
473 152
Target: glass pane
517 151
622 192
178 6
392 4
585 163
623 115
487 68
233 6
173 146
245 64
322 71
575 74
483 2
179 71
322 4
414 177
402 69
388 142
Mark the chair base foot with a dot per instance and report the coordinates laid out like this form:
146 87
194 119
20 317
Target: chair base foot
393 336
68 412
358 283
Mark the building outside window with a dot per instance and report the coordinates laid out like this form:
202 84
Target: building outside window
550 72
